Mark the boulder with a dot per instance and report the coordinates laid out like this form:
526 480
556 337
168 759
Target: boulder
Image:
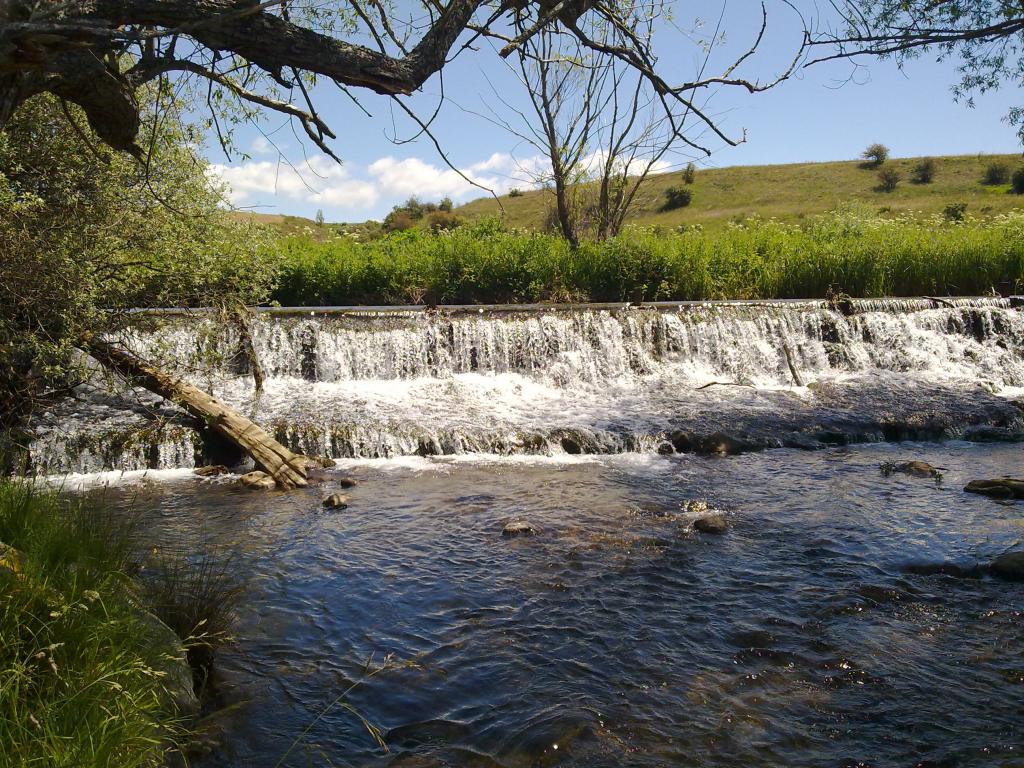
1000 488
518 528
713 524
323 462
212 470
344 482
912 468
1009 566
257 481
336 501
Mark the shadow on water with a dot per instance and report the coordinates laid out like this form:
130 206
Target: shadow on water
808 634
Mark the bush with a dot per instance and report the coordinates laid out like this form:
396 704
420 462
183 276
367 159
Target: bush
676 197
888 179
515 192
1017 182
399 221
996 173
954 212
445 205
690 173
443 220
924 171
875 155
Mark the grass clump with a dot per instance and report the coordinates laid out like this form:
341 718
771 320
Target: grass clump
861 252
83 674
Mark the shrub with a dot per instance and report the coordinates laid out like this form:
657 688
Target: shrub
690 173
1017 182
677 197
445 205
875 155
924 171
996 173
399 221
443 220
888 178
955 211
515 192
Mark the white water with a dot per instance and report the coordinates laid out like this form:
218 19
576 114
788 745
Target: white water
592 381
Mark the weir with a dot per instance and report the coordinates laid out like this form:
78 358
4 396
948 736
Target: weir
707 377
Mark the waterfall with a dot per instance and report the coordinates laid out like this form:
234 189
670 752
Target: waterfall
598 379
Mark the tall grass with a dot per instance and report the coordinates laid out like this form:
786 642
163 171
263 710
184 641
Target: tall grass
851 251
83 670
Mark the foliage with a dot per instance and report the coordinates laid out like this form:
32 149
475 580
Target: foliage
875 155
515 192
399 221
482 263
923 171
689 173
677 197
955 211
81 672
86 233
442 220
888 179
996 173
1017 181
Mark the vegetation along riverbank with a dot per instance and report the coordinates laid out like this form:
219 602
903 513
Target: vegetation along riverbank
90 675
852 250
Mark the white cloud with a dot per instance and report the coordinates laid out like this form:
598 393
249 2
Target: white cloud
319 181
261 146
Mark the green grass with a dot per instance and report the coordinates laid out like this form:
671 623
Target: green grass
789 193
82 672
851 251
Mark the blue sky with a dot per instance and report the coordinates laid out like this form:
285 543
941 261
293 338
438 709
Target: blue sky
826 112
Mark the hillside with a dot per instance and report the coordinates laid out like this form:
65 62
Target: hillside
788 193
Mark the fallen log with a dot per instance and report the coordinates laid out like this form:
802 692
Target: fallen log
288 469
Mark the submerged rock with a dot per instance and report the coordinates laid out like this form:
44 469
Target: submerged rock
336 501
345 482
912 468
212 470
257 481
518 528
1009 566
999 488
713 524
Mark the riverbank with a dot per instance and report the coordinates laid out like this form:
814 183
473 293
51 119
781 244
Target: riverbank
88 677
851 252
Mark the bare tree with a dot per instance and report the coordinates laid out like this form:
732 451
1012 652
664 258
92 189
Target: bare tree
265 55
601 123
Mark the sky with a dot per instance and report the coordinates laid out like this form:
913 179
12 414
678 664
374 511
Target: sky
830 111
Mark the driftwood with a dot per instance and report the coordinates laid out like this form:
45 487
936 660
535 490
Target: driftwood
941 302
792 365
288 469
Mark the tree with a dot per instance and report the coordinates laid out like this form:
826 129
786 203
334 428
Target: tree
875 155
986 35
996 173
689 173
87 233
319 217
265 56
601 124
924 171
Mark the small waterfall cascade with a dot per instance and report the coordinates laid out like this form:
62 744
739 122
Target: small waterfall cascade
363 382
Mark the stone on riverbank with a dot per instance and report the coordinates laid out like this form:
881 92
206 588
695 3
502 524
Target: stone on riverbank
336 501
213 470
1009 566
999 488
715 525
257 481
518 528
912 468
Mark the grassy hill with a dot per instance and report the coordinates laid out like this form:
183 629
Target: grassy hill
788 193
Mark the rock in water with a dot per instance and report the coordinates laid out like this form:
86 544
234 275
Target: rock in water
212 471
345 482
336 501
257 481
1009 566
713 524
518 528
912 468
1000 488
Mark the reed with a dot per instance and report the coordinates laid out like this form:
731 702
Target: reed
851 251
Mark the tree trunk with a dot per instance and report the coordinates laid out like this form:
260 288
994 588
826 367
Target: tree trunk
288 469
